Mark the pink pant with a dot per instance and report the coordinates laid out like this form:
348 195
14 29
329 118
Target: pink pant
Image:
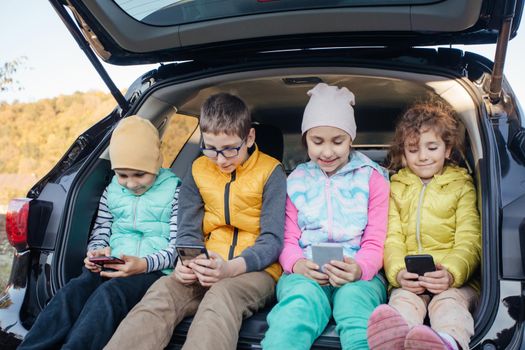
449 312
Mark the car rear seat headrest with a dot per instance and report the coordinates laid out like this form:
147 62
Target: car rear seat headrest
269 139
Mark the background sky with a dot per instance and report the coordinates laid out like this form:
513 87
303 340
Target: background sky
56 65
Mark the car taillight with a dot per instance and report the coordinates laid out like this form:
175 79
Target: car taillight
16 220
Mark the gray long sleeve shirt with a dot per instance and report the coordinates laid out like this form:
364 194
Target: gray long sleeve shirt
269 243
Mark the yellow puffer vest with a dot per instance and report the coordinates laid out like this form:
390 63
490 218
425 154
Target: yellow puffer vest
232 204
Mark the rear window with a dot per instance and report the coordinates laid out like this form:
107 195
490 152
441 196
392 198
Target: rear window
178 130
173 12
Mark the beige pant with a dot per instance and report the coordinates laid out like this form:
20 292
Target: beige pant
218 311
448 312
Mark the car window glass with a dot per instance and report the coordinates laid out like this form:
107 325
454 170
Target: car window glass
173 12
294 152
178 130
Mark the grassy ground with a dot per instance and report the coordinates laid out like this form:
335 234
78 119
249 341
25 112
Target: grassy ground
6 254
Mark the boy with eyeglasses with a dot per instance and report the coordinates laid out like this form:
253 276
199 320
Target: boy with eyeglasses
232 201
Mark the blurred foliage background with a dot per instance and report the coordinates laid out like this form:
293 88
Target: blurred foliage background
33 137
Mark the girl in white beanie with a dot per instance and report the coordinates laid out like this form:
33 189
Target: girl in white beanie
339 197
136 222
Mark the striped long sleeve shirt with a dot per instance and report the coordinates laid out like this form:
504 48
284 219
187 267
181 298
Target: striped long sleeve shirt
99 237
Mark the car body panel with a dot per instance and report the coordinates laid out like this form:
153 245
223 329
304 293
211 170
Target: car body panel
120 39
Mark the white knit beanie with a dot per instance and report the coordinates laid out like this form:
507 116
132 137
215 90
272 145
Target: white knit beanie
330 106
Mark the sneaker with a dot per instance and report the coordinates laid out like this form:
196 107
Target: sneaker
425 338
387 329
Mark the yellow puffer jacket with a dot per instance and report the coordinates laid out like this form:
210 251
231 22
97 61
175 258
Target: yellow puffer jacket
232 204
440 218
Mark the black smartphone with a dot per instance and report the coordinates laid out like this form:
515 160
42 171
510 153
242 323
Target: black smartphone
189 252
101 260
420 264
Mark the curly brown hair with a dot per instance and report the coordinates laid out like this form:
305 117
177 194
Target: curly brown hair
424 115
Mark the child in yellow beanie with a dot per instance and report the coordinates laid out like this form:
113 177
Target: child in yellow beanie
137 223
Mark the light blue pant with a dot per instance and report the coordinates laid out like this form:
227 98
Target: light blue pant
304 309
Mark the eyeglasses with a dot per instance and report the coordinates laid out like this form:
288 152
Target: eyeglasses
230 152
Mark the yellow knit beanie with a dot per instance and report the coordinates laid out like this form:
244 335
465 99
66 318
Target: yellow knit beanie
135 144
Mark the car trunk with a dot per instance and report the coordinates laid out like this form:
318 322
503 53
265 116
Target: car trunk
140 31
276 93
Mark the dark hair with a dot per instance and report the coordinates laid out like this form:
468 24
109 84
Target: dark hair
303 141
225 113
430 114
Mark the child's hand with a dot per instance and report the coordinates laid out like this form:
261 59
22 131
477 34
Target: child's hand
342 272
212 270
133 265
310 269
409 281
184 274
437 281
92 254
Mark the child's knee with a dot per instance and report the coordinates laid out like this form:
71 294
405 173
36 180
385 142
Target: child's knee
350 291
220 293
449 297
365 291
401 298
109 290
295 284
355 302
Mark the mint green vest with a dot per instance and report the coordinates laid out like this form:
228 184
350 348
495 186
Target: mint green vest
141 224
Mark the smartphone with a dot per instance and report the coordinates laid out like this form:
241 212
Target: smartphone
420 264
101 260
322 253
189 252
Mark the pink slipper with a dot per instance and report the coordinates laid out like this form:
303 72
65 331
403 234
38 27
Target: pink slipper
387 329
425 338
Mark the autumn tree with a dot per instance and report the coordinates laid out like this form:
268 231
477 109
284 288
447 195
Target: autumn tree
35 135
7 74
